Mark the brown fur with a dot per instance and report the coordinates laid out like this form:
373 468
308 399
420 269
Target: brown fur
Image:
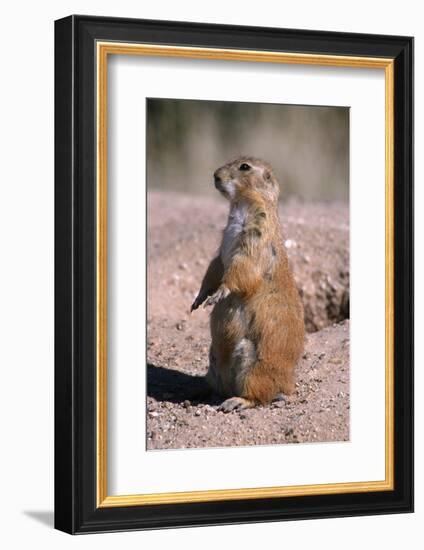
257 324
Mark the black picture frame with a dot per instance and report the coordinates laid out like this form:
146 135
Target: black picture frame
76 509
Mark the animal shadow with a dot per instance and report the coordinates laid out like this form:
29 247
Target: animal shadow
171 385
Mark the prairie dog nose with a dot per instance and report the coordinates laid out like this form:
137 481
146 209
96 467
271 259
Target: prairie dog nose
218 180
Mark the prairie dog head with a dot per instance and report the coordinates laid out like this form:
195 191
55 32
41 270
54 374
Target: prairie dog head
245 178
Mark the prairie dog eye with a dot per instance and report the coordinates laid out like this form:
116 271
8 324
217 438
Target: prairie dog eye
244 167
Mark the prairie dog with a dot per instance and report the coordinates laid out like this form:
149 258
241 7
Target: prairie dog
257 324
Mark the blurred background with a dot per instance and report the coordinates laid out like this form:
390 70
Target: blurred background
307 146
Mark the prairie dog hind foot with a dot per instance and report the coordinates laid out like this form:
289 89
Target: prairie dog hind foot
235 404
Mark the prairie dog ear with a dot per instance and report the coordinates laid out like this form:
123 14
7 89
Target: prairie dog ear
267 175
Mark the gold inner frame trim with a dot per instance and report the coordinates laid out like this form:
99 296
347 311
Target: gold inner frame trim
103 49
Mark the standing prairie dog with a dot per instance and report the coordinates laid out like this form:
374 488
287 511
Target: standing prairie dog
257 324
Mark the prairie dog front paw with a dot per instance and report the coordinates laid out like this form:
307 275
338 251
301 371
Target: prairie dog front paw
219 295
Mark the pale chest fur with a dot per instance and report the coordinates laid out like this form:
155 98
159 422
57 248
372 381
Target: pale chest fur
235 225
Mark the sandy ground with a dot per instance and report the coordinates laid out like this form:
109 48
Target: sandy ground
183 235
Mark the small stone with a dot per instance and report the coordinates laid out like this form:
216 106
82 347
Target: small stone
186 403
197 413
153 414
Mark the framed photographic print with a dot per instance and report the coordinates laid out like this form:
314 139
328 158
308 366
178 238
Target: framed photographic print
234 274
